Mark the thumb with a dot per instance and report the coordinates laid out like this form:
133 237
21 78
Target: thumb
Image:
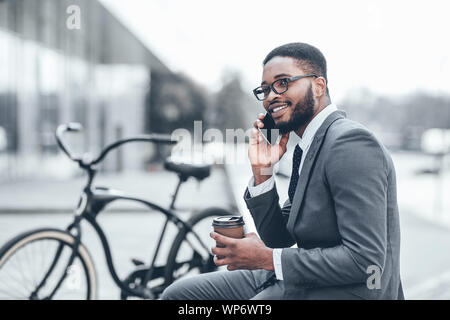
283 141
251 235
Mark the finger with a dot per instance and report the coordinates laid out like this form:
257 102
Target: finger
258 124
283 142
222 239
231 267
250 235
223 252
255 136
261 116
220 262
261 139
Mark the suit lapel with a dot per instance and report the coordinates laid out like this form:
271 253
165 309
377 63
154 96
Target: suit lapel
308 163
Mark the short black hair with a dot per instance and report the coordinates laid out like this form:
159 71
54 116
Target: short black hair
309 58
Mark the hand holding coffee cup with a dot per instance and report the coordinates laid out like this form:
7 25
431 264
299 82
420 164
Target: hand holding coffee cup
229 226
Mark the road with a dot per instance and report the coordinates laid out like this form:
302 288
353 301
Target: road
131 234
425 243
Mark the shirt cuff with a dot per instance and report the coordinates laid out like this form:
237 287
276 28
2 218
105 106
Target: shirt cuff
276 254
260 188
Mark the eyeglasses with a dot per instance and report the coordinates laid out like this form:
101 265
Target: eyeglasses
279 86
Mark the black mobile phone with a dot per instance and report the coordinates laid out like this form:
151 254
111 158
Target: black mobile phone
269 133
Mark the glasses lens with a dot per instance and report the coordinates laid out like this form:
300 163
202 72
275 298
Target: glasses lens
261 93
280 86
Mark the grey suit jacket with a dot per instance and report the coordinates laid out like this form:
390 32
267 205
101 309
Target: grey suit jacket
343 217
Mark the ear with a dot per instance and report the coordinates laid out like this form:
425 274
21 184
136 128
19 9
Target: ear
320 86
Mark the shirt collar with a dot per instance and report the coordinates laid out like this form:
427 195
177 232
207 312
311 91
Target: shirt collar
314 125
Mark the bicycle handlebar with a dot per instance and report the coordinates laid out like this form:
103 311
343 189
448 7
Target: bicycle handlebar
76 127
68 127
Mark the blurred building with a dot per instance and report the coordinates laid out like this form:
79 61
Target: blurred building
53 72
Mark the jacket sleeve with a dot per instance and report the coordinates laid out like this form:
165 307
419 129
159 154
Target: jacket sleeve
270 219
357 176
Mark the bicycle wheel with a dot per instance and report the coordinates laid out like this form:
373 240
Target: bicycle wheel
30 257
187 256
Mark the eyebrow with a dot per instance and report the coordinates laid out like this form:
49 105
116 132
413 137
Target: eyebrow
278 76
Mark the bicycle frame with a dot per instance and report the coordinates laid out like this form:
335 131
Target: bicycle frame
93 201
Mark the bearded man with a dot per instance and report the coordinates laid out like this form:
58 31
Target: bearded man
337 236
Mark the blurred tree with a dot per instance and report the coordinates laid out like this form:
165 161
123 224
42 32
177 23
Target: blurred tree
174 101
233 107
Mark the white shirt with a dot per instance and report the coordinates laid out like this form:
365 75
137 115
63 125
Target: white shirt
304 144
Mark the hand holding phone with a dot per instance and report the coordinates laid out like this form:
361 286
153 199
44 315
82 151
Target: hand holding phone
263 155
269 131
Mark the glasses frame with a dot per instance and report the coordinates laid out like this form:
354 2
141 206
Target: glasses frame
287 80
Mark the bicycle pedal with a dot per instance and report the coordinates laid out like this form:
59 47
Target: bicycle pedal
137 262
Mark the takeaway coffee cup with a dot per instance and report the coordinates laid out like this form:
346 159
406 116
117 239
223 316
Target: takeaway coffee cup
229 226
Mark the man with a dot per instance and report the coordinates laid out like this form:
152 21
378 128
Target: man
341 210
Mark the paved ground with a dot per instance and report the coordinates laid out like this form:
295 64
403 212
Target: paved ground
131 231
425 262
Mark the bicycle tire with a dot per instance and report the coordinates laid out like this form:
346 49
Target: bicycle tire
207 265
17 247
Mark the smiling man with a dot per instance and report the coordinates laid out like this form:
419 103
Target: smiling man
341 211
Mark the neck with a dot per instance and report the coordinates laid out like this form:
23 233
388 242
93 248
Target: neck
321 105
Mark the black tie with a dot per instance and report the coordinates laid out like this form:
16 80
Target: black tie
295 175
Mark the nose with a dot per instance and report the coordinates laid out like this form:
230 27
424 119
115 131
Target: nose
272 96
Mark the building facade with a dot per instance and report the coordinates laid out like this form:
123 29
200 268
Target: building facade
69 61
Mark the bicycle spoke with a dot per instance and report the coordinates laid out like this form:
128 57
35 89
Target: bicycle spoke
41 270
18 260
31 270
17 263
14 289
9 285
8 294
41 252
36 259
13 277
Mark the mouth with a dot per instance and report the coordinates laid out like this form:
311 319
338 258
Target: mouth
278 109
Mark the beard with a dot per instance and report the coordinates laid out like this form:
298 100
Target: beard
302 113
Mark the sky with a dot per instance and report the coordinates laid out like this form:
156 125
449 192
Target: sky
391 47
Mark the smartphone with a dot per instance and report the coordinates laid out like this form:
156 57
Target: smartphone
268 132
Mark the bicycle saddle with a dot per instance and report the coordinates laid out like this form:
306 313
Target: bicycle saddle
186 170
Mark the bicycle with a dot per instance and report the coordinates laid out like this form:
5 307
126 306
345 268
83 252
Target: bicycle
50 263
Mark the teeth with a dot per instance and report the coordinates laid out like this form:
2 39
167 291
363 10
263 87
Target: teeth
279 108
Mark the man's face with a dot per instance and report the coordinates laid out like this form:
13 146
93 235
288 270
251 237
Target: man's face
295 107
